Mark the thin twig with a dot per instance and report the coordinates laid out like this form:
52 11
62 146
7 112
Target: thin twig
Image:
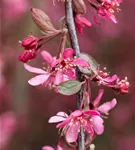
75 46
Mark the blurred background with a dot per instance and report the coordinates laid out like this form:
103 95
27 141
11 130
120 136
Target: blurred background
25 110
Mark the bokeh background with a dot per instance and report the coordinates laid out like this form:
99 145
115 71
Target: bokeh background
25 110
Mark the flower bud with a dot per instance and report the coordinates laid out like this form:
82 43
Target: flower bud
81 22
79 6
43 21
27 55
29 42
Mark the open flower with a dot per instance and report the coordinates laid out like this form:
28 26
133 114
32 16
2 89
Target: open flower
56 70
104 78
106 8
68 62
122 86
47 76
71 124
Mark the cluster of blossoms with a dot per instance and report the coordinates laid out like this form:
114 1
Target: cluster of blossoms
120 86
90 120
60 73
106 8
56 70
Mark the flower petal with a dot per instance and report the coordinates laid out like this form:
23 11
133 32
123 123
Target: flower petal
47 57
79 19
40 79
61 113
55 62
70 73
65 122
104 108
98 98
97 123
88 128
80 62
72 132
91 112
111 79
33 69
55 119
113 18
58 78
47 148
76 113
68 52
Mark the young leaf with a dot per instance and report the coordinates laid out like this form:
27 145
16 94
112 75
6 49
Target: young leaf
69 87
43 21
85 71
94 66
60 23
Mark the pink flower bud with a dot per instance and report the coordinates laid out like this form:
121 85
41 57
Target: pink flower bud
27 55
81 22
29 42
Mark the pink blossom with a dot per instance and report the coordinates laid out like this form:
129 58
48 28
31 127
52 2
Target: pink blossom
107 9
7 127
104 78
47 76
68 62
57 70
71 124
81 22
122 86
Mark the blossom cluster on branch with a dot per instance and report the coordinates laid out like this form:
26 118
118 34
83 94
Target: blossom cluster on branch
59 73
